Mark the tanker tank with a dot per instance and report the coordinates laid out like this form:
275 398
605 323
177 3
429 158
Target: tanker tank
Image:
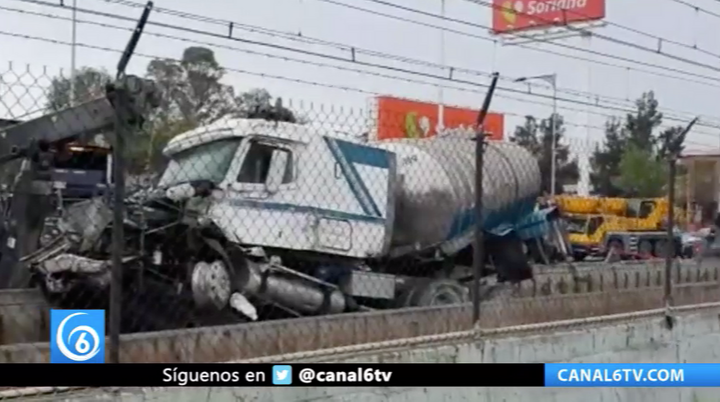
434 203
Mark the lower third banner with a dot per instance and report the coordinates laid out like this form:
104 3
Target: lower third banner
371 375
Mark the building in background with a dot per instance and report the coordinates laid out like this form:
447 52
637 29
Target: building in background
404 118
700 187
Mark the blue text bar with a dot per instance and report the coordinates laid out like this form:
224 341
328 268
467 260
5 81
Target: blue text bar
632 375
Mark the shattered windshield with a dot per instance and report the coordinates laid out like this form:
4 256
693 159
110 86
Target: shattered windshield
576 225
209 161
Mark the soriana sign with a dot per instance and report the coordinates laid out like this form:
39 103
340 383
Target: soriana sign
403 118
520 15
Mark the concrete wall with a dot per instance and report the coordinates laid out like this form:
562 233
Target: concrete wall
24 317
618 289
695 338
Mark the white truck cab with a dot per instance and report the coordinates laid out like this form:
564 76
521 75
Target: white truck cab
283 185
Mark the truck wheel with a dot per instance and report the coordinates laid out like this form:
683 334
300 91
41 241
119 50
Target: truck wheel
645 248
440 292
661 248
616 246
579 256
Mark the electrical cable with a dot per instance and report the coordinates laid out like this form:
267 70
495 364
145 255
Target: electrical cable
556 44
84 45
341 59
306 39
577 13
697 8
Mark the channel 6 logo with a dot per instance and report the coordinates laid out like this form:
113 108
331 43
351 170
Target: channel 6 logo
77 336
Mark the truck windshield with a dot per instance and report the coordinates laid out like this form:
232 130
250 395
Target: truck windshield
77 158
576 225
209 161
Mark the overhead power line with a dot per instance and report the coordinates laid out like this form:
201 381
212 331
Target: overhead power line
304 38
332 86
550 42
372 65
450 70
697 8
659 39
532 48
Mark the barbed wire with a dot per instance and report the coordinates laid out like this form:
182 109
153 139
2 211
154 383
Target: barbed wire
353 60
348 47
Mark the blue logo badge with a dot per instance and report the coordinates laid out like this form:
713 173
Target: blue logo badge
77 336
282 375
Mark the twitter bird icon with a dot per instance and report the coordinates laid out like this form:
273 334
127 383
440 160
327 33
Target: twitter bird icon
282 375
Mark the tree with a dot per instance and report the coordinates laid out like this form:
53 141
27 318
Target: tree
640 126
537 138
642 173
258 104
605 161
89 84
636 132
191 94
191 89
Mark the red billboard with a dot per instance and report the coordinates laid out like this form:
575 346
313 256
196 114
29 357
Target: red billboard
521 15
404 118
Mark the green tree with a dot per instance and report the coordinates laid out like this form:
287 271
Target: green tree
642 173
537 137
89 84
193 95
640 126
605 161
637 132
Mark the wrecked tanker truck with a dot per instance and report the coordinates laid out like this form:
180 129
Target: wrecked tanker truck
251 214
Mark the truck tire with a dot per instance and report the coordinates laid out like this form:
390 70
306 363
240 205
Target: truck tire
511 264
661 248
645 247
439 292
579 257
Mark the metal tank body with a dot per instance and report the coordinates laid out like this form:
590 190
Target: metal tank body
434 203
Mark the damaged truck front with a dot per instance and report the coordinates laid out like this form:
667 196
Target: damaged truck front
253 219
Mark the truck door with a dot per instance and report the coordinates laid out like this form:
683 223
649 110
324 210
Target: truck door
267 167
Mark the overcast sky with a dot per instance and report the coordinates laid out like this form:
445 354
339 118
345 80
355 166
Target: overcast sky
331 22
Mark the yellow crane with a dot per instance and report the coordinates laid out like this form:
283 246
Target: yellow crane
638 224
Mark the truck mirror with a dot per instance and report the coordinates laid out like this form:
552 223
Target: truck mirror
278 162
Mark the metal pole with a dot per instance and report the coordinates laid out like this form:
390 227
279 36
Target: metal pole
479 245
674 148
553 149
118 233
441 95
670 251
73 47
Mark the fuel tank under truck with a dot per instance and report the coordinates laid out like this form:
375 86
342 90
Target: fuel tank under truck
435 198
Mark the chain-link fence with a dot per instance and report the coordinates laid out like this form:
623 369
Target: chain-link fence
276 228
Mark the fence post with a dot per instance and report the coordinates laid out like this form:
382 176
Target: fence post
674 147
671 246
479 244
118 233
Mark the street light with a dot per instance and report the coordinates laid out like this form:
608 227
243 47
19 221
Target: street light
552 80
